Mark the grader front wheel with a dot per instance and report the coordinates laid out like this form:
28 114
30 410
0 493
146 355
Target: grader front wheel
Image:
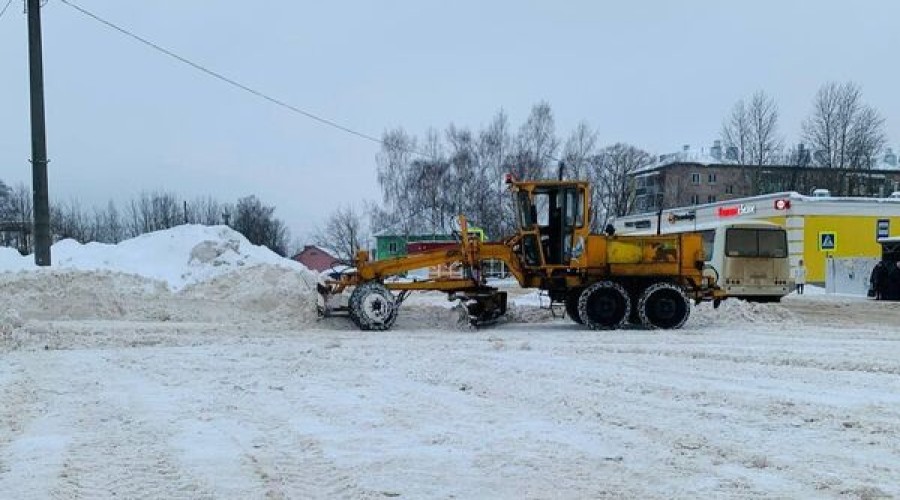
372 307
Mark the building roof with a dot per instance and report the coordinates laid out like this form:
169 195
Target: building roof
709 215
888 160
315 258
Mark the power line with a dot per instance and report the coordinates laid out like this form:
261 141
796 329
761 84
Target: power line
5 7
233 82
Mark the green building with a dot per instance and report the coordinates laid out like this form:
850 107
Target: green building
388 244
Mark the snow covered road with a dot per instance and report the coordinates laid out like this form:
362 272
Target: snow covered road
793 400
188 363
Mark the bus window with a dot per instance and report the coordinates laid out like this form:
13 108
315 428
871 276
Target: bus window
772 243
741 243
756 243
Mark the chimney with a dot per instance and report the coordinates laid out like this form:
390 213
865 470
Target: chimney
716 150
890 158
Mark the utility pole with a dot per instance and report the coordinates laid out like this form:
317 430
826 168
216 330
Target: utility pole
38 138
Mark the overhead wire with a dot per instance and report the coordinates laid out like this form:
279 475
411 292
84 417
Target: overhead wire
8 2
235 83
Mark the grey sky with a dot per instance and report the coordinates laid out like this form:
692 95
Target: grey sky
658 74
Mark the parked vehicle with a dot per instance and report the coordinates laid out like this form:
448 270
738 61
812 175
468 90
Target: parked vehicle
750 260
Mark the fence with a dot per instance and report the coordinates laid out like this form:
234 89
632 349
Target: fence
849 275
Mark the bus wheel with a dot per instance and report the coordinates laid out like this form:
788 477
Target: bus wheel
572 305
372 307
604 306
664 305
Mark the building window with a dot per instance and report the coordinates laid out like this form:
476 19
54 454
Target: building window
695 199
711 198
711 178
695 178
729 189
392 247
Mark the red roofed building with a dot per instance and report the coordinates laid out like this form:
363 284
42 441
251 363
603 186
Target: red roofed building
315 258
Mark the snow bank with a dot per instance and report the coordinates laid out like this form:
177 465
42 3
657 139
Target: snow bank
181 273
738 312
178 256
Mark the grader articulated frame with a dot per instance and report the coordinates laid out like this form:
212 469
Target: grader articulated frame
604 281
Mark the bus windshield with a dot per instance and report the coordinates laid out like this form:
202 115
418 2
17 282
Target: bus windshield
770 243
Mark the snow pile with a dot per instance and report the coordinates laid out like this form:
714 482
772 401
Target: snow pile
178 256
740 312
175 274
525 312
272 294
67 294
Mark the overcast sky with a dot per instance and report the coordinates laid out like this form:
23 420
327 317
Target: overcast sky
122 118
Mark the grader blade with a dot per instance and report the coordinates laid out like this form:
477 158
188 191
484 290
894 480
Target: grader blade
485 308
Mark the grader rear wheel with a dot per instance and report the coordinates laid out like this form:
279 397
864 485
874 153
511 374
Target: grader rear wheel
372 307
604 306
664 305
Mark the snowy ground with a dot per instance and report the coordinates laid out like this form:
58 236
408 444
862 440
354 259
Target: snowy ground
216 381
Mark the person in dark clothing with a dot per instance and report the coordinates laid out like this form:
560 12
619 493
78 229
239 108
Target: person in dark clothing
891 287
877 280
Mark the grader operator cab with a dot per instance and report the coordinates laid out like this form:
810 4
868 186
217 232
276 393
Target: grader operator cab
605 281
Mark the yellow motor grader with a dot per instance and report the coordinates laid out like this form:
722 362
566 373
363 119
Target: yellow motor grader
604 280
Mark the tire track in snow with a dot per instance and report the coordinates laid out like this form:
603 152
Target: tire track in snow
19 402
579 392
116 449
284 463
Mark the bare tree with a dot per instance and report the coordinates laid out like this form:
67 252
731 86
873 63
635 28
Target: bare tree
765 143
258 224
19 205
17 210
153 212
750 135
843 131
471 178
207 211
736 134
536 144
107 224
343 234
866 142
393 163
69 220
612 177
495 147
5 200
580 147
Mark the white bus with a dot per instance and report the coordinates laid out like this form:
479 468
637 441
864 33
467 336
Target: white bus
748 258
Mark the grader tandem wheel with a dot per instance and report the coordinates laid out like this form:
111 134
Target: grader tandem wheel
607 305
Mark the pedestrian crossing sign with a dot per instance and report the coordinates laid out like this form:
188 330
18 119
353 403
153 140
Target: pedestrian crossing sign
827 241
